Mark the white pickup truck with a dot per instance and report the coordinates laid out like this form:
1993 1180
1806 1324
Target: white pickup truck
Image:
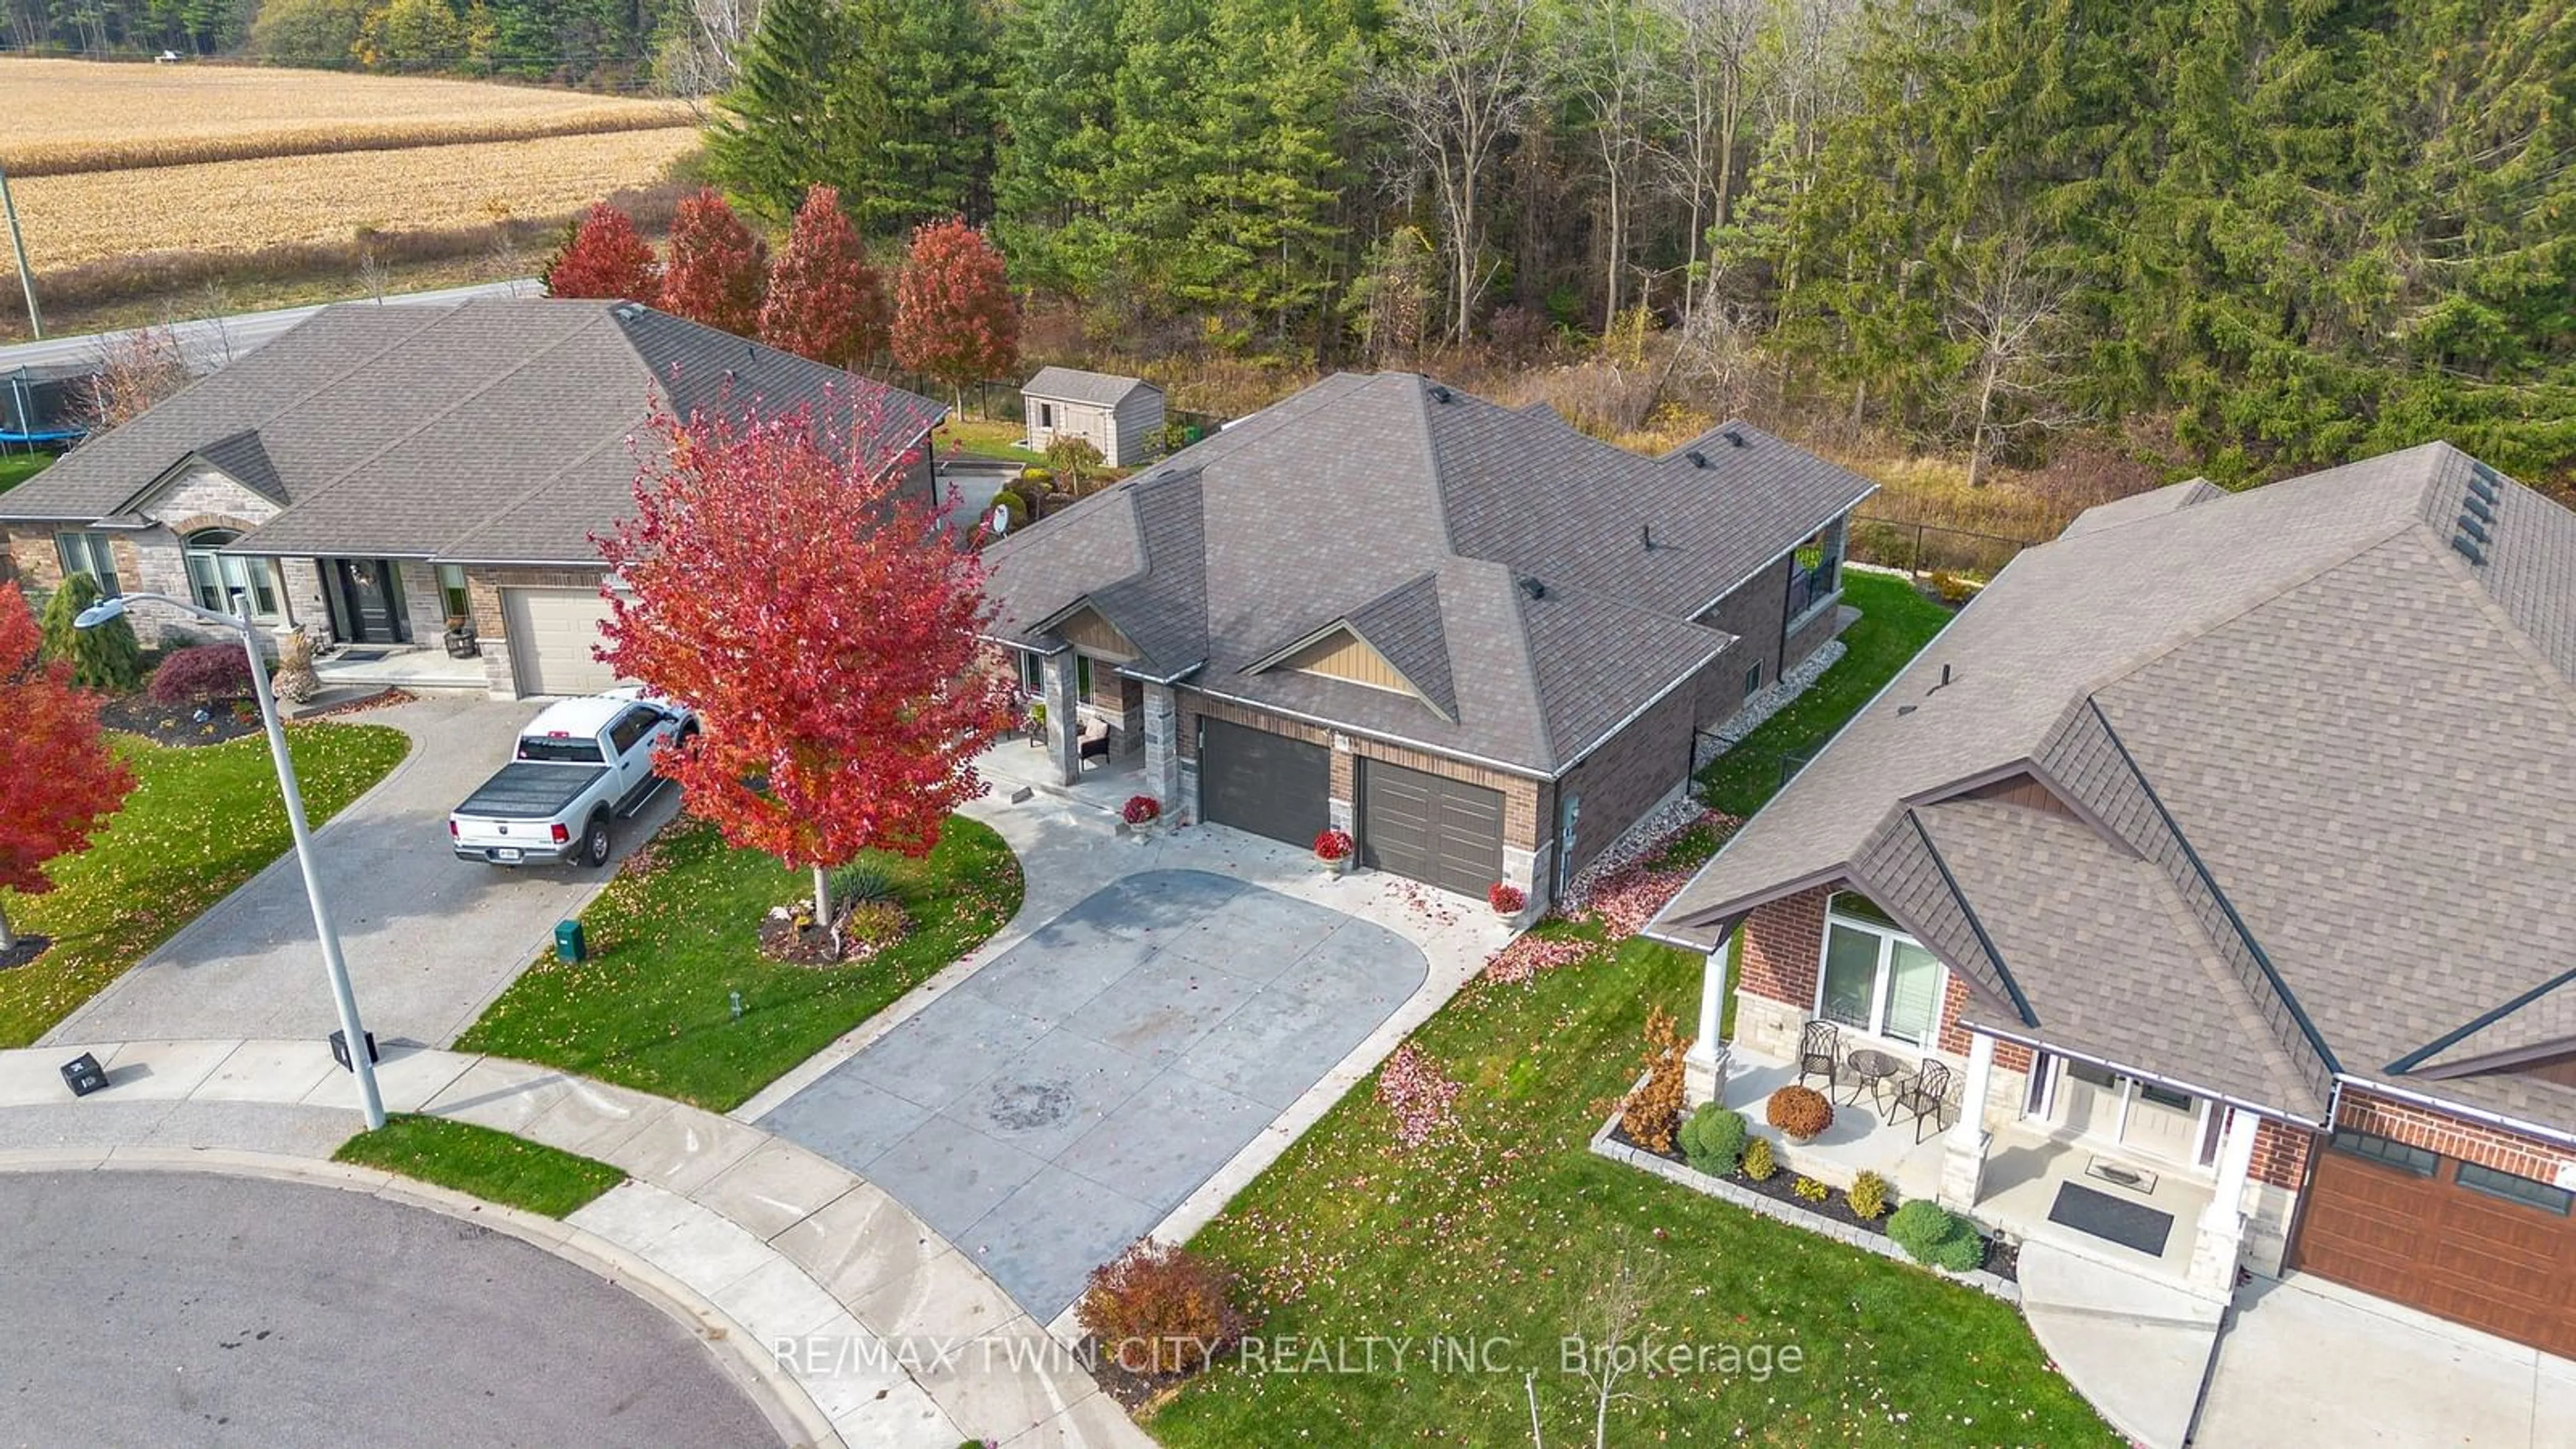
578 765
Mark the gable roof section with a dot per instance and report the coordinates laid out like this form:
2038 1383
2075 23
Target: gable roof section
2299 708
244 460
1100 389
1421 518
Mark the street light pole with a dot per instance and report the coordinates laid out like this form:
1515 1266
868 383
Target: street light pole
338 969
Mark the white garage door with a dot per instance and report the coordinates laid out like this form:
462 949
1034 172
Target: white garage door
552 632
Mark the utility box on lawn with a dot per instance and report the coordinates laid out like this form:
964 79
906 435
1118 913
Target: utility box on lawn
569 945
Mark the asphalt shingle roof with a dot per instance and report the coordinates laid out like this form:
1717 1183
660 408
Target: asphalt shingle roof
493 430
2362 735
1421 517
1067 384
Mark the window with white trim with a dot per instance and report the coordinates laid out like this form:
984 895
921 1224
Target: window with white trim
1875 978
215 577
88 553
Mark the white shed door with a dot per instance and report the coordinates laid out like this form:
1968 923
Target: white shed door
551 635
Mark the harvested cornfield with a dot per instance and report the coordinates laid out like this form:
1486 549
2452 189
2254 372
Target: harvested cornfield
244 206
68 116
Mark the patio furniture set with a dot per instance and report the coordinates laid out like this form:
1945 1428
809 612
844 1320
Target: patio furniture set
1919 1092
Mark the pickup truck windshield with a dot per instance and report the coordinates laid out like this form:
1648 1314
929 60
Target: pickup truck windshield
549 751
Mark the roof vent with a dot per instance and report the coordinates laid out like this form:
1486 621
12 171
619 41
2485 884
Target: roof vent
2468 550
2482 508
1646 534
1439 394
1944 684
1533 588
1697 458
1734 439
627 311
2473 528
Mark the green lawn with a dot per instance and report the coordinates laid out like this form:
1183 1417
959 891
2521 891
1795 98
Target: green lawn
480 1162
1510 1229
200 821
17 468
650 1009
1895 623
987 438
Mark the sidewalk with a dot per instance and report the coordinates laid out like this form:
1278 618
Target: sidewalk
895 1338
2136 1348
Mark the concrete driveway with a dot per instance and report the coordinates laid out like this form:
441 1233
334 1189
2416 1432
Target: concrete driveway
178 1308
2309 1362
1066 1097
430 939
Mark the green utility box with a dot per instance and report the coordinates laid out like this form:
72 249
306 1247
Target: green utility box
569 945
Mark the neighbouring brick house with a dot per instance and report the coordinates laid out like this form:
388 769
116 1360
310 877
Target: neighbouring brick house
2222 843
1480 641
381 470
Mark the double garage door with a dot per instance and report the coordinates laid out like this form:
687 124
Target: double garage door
551 635
2419 1237
1422 826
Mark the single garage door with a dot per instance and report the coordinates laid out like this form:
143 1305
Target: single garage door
2494 1252
552 632
1430 828
1265 783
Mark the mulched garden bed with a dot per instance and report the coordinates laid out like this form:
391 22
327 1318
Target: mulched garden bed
27 949
864 929
177 724
2002 1258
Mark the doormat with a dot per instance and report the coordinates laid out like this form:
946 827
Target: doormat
2121 1174
2129 1224
361 656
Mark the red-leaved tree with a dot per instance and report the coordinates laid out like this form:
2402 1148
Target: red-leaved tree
954 319
57 778
823 628
718 269
605 257
825 301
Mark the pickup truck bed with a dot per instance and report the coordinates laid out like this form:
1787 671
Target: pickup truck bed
527 791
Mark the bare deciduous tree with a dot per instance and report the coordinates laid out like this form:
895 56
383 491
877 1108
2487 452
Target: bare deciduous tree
1611 63
1461 85
2004 316
135 370
1717 77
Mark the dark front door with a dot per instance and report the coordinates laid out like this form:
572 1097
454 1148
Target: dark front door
1430 828
367 599
1265 783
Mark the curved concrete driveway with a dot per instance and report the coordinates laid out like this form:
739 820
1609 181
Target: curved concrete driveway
1065 1098
430 939
156 1308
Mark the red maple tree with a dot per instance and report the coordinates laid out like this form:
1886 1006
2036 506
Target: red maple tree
825 301
954 318
823 627
605 257
718 269
57 777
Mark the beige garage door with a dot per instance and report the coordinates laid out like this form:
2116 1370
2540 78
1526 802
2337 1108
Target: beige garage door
552 632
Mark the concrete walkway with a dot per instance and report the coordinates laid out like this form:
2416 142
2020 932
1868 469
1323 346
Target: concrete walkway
430 939
2136 1348
877 1331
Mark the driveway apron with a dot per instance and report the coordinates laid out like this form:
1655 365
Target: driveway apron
1068 1096
430 939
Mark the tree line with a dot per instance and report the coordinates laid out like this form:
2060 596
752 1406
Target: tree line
596 44
2282 234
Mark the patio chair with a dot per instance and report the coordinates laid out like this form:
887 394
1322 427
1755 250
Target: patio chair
1095 743
1923 1095
1820 1052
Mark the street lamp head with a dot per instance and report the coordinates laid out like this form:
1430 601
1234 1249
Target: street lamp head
99 613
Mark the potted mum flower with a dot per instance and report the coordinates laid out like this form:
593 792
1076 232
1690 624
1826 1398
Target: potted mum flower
1141 812
1506 899
1333 848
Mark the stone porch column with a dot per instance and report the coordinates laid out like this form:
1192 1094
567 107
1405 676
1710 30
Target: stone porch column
2220 1234
1704 1065
1056 690
1963 1147
1162 729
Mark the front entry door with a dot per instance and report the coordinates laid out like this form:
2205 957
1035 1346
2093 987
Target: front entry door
370 598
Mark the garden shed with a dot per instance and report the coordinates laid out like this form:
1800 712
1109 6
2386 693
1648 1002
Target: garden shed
1121 416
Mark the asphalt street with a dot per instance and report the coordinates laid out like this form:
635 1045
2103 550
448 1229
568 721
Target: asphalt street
178 1308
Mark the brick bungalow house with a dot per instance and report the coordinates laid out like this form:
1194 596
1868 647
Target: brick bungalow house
2222 843
1479 640
380 470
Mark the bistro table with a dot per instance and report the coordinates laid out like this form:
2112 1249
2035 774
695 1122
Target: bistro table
1875 1069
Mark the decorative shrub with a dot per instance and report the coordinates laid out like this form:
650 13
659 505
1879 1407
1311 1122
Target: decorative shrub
108 657
1414 1090
1950 588
1758 1163
1506 898
1037 475
1015 510
1713 1139
861 882
1930 1233
1333 845
872 926
199 673
1810 1190
1799 1111
1160 1311
1868 1196
1651 1112
1142 810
